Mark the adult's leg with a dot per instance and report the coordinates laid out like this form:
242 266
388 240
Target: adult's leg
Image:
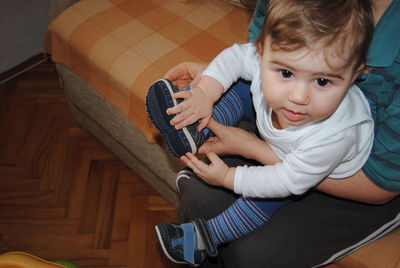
309 231
304 233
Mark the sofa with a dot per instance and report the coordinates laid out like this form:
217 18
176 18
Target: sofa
108 52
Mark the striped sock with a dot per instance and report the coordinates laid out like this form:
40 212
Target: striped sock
242 217
228 110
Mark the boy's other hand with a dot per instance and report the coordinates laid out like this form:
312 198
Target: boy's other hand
216 173
229 140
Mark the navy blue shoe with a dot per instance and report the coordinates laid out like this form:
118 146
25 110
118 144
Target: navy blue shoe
179 242
158 100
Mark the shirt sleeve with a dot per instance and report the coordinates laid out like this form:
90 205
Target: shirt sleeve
299 170
257 21
383 164
238 61
381 87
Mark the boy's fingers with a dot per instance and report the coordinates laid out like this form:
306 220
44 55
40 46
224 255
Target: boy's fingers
197 162
192 158
215 127
208 145
178 108
194 163
187 121
184 159
193 167
181 84
178 71
182 95
213 157
180 117
203 124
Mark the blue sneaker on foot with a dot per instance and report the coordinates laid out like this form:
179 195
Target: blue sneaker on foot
180 244
158 100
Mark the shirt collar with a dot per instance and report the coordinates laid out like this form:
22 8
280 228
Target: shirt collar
385 43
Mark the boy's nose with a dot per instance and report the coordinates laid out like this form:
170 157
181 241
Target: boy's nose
299 95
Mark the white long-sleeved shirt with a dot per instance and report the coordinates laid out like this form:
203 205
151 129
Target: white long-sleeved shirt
336 147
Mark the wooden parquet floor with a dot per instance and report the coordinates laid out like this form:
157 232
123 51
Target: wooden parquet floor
63 195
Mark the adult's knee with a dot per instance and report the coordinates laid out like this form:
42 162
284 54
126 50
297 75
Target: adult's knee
200 200
262 249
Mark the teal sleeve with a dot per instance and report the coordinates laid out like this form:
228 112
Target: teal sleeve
381 86
382 89
257 21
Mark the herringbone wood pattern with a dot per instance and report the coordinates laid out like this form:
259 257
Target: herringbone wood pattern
63 195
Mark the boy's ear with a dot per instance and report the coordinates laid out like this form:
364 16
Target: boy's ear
259 46
361 68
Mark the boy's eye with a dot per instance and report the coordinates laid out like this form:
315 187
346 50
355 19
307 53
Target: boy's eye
322 82
286 73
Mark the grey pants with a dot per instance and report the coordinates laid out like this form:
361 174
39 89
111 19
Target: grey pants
304 233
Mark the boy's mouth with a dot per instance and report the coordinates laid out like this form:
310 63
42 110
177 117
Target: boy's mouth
293 116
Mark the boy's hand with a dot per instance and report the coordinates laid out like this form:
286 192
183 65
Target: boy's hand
236 141
198 103
230 140
196 106
216 173
186 73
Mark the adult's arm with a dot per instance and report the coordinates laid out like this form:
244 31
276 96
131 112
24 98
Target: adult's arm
358 188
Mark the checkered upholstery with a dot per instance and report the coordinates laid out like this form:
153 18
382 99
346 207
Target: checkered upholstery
121 47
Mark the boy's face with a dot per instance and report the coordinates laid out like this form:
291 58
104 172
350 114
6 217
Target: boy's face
300 86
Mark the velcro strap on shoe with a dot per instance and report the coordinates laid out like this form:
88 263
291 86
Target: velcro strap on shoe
189 242
210 248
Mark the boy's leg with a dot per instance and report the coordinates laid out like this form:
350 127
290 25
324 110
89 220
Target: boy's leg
243 217
234 106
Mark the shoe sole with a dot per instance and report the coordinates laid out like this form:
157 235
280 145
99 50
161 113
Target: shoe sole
164 249
160 119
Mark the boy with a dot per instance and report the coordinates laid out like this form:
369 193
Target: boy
316 124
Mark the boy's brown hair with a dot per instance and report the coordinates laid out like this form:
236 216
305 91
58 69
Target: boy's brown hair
345 25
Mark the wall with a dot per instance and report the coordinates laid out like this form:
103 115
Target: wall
22 27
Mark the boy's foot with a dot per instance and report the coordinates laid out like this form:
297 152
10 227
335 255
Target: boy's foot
158 100
180 243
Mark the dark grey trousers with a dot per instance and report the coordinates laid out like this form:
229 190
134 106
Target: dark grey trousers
305 233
